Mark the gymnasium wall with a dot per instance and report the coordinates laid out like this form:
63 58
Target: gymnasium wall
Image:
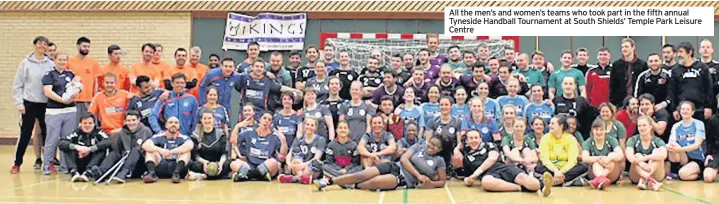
129 30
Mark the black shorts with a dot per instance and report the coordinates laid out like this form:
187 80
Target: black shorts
506 172
167 167
714 163
700 163
197 167
392 168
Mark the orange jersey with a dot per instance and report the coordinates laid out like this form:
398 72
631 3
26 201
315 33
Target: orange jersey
88 69
142 69
110 110
121 72
201 70
165 71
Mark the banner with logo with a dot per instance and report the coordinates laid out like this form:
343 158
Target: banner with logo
272 31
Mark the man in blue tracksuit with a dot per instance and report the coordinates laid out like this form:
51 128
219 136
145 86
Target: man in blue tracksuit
179 104
224 79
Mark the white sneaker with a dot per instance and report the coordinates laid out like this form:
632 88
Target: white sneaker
641 185
194 176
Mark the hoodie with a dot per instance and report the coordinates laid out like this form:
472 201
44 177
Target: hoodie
96 139
128 140
28 80
623 77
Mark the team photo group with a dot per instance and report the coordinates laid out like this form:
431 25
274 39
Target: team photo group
511 122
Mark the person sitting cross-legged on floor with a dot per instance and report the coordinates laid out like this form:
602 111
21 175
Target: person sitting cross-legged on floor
167 154
84 148
559 151
604 156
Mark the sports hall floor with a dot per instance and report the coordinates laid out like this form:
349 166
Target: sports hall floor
31 187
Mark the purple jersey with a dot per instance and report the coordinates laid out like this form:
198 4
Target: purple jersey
470 84
448 89
382 91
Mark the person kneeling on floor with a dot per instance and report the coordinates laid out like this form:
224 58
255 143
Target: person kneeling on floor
129 141
481 159
84 148
169 152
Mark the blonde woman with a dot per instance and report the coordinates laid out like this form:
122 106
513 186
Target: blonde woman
646 153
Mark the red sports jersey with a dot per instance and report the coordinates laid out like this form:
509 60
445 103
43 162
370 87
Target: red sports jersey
598 85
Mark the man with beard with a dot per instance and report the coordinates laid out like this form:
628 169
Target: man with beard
597 77
167 154
84 148
308 71
706 48
555 80
224 79
654 81
377 53
329 52
145 101
110 105
396 66
371 76
345 74
200 69
669 55
389 88
455 59
129 141
648 108
625 72
214 61
178 105
691 81
114 54
88 69
295 58
447 83
145 67
497 86
180 67
254 88
408 61
253 53
470 82
468 59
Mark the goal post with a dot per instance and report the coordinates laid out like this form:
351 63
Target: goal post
361 45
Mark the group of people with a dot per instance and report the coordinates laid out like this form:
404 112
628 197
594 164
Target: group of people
415 121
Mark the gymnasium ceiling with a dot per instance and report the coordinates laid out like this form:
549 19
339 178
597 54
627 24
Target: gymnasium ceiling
321 5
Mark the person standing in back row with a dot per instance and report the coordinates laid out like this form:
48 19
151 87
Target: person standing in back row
691 81
88 69
625 72
27 93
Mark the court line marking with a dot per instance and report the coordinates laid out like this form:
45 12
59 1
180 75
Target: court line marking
449 193
381 198
30 185
404 196
686 196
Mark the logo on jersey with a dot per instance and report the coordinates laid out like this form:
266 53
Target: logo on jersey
349 113
661 81
485 130
430 162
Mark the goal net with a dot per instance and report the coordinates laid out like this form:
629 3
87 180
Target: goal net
361 45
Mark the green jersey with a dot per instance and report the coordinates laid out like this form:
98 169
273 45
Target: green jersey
579 137
527 143
531 137
555 80
533 76
635 142
617 131
608 146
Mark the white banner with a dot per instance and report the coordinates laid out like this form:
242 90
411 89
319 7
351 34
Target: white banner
579 21
272 31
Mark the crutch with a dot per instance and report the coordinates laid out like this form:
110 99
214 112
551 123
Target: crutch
122 162
117 166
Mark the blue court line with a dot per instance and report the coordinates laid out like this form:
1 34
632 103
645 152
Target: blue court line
686 196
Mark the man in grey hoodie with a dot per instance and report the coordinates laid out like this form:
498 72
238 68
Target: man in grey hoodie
128 143
30 100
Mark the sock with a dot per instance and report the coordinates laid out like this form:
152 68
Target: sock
244 169
179 167
150 167
262 168
674 167
330 181
541 185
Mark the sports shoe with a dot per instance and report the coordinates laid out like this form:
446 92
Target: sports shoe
594 183
95 172
579 181
176 178
149 178
306 179
15 169
48 170
320 184
654 184
673 176
55 162
85 177
237 177
284 178
605 183
641 185
75 176
63 170
38 163
194 176
268 176
548 182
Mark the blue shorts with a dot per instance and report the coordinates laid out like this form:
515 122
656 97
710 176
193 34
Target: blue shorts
166 168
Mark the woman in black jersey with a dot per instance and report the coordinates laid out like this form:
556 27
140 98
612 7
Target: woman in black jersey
571 104
212 149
